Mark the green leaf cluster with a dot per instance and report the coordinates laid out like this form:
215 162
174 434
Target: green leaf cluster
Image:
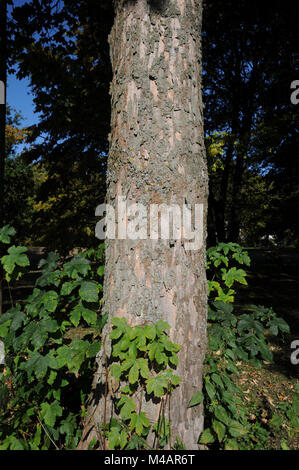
232 340
143 362
223 270
48 367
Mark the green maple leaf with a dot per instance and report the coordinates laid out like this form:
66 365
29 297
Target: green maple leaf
15 257
68 287
38 365
77 266
143 367
18 317
113 438
232 275
127 406
139 422
42 330
50 412
40 302
50 300
89 291
49 277
75 315
157 385
79 310
50 263
134 374
116 371
5 233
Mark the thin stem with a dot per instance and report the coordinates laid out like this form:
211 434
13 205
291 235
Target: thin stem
169 417
40 422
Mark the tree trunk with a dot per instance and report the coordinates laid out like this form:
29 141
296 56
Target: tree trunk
157 156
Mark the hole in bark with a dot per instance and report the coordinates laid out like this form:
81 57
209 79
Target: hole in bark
157 5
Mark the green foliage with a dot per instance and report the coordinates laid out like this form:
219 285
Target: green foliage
18 179
233 339
222 274
196 399
6 233
287 412
46 362
70 165
48 370
15 259
143 358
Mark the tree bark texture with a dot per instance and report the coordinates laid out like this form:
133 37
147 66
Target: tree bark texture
157 156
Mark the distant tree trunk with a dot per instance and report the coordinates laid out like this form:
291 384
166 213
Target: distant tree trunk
235 209
245 129
237 183
157 156
222 229
211 220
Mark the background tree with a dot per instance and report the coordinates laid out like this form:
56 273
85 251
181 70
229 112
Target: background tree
18 181
247 50
248 64
3 74
63 48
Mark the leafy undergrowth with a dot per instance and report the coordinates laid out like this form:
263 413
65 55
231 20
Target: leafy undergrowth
51 338
240 411
251 392
48 370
